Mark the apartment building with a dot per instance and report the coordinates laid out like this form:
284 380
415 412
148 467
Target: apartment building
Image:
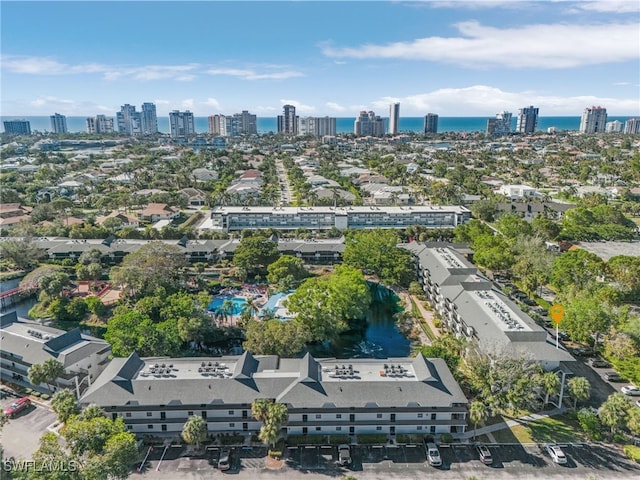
149 119
99 124
594 120
288 121
431 123
394 118
322 218
527 120
368 124
129 120
323 396
28 343
472 308
17 127
58 123
181 124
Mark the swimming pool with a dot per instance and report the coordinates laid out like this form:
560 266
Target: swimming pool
216 303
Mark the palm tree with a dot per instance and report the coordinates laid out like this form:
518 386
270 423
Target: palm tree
478 413
578 388
194 431
550 385
614 411
250 307
227 308
260 408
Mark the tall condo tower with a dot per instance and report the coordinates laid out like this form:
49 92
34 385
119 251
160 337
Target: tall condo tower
632 125
594 120
501 125
287 122
527 120
368 124
17 127
58 123
181 124
99 124
129 121
149 119
218 125
431 123
394 116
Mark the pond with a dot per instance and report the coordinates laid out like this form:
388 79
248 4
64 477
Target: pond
379 339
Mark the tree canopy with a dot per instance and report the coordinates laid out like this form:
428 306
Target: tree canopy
286 273
275 337
254 254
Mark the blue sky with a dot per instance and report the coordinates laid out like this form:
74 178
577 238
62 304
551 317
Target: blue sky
454 58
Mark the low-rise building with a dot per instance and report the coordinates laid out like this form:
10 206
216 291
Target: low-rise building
29 343
323 396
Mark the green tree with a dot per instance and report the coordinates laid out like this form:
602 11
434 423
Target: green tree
589 423
377 252
64 404
532 262
579 389
576 268
154 265
625 271
275 337
22 252
550 385
88 436
512 226
46 372
273 416
194 431
613 413
50 453
54 283
478 413
286 273
586 318
492 252
255 254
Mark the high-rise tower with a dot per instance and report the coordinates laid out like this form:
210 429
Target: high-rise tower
431 123
181 124
288 122
149 119
129 121
394 117
527 120
594 120
58 123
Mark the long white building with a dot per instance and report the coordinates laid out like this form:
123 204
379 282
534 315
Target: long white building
324 218
323 396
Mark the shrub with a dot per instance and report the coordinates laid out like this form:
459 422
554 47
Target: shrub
372 438
446 438
275 454
632 452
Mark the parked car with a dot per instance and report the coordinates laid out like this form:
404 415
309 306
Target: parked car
557 455
630 390
584 352
224 463
17 406
344 454
599 363
484 453
613 377
564 336
433 455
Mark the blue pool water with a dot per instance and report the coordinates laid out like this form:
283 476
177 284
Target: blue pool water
238 303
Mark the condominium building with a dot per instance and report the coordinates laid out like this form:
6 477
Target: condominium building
368 124
243 123
17 127
181 124
99 124
394 118
317 126
26 343
129 121
288 122
218 125
527 120
594 120
614 127
431 123
58 123
473 309
499 126
632 125
324 218
149 119
323 396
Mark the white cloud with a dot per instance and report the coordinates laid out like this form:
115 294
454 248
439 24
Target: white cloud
300 107
532 46
51 101
187 103
252 74
483 100
334 107
212 102
611 6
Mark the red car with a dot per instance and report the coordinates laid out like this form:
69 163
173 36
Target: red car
17 406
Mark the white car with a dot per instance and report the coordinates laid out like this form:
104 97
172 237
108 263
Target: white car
557 454
630 390
433 455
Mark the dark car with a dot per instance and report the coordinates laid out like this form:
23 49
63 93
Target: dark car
225 460
613 377
564 336
599 363
584 352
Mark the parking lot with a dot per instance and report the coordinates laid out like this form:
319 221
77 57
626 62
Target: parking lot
20 437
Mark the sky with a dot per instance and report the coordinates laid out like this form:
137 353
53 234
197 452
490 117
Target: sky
453 58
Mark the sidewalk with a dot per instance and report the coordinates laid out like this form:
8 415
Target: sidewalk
426 315
511 423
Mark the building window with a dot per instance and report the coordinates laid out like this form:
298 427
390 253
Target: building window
433 429
378 428
338 415
149 414
318 429
128 414
419 427
232 425
433 416
231 412
338 429
164 428
419 415
129 427
150 427
318 416
379 415
190 413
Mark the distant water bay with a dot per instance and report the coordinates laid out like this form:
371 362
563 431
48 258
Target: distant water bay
343 124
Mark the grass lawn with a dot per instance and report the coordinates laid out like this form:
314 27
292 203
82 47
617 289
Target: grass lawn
561 428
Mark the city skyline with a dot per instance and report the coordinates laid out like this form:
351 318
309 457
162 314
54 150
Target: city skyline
453 58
